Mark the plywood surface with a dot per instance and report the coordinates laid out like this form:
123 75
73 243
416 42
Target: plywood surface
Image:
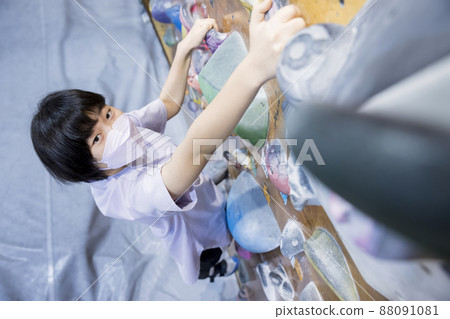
232 16
328 11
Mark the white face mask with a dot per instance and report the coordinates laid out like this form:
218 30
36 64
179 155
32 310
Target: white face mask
126 143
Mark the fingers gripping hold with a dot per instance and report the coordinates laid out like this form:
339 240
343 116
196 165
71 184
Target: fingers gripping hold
259 10
286 13
293 26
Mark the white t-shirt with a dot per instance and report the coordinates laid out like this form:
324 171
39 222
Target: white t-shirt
194 222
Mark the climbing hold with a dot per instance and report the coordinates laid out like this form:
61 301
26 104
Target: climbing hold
310 293
249 217
292 239
276 163
214 39
301 190
255 122
326 256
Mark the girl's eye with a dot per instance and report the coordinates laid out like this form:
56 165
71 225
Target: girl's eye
108 115
96 139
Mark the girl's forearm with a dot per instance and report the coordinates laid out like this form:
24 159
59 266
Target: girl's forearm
216 122
174 88
222 115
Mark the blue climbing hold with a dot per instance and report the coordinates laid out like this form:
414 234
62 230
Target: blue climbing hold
249 217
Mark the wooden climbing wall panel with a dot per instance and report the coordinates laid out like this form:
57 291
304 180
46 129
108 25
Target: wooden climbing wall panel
305 268
232 16
328 11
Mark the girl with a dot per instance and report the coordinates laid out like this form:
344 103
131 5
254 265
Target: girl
136 173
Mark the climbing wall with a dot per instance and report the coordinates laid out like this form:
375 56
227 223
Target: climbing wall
328 11
288 247
318 266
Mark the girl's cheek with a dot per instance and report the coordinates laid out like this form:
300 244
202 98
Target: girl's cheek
97 154
100 154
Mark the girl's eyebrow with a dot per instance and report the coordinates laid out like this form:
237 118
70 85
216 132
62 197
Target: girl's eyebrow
107 108
100 112
102 108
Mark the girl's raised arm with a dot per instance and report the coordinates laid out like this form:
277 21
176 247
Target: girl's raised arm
217 121
174 89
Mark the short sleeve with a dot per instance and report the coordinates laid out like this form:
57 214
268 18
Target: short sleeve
135 195
150 196
152 116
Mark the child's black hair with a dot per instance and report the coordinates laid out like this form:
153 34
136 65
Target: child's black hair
59 131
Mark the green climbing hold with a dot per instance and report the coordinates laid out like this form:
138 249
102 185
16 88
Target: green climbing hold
255 122
326 256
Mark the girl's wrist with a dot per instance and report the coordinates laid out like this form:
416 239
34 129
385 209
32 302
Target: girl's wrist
258 74
183 48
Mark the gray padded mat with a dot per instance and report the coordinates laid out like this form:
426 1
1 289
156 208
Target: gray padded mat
53 241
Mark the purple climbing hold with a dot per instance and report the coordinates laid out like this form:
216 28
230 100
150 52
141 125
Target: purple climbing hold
214 39
199 58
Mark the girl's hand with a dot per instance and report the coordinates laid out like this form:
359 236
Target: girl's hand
198 32
268 38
